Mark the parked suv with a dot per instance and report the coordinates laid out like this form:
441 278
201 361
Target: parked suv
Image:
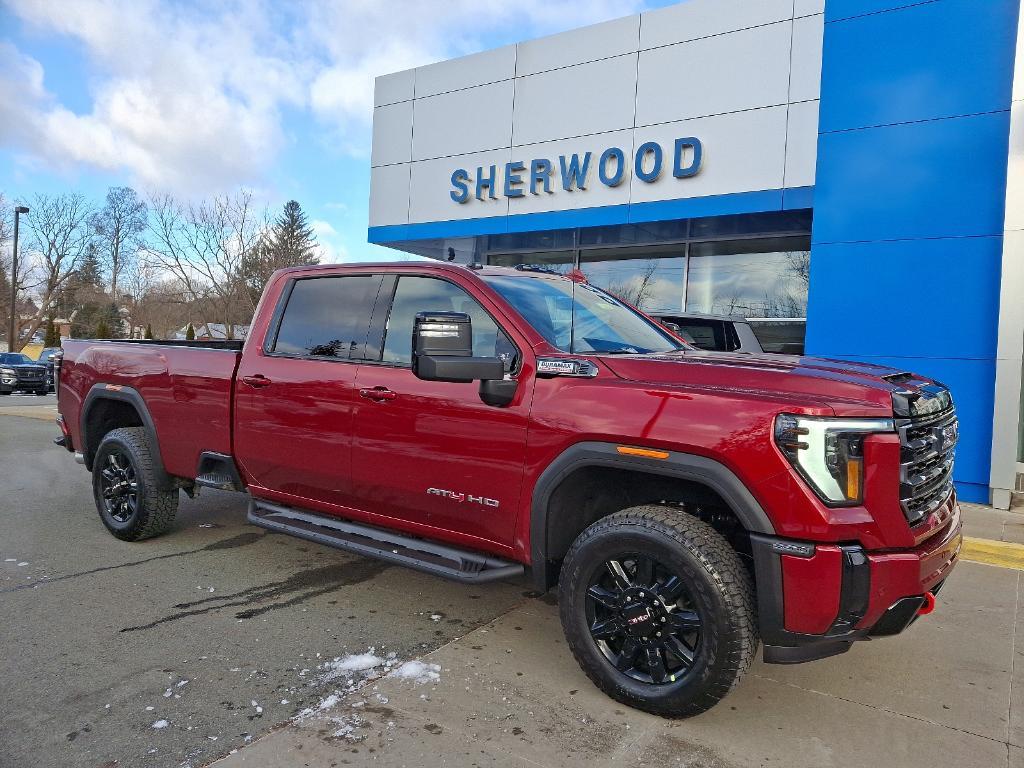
47 357
20 373
730 333
475 422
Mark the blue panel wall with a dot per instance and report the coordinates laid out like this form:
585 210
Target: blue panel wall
909 198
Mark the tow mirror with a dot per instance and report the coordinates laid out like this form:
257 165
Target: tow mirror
442 350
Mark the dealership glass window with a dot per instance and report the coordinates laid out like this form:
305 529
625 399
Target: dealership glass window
765 277
557 261
651 279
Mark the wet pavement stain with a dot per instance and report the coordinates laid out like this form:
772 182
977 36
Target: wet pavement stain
233 542
302 586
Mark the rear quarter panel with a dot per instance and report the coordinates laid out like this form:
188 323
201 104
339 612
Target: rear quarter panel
188 393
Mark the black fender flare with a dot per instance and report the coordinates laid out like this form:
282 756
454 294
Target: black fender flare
684 466
124 394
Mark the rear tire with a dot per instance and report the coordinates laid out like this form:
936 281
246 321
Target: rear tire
128 497
658 610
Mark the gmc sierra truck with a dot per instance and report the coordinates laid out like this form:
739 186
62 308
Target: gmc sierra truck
475 422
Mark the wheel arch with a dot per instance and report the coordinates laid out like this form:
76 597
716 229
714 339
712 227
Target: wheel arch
549 541
108 407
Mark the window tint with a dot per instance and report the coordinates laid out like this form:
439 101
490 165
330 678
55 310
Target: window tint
704 334
428 294
328 316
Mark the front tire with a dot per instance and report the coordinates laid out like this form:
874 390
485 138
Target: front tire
124 480
658 610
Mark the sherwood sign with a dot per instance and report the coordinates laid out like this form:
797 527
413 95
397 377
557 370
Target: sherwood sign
649 163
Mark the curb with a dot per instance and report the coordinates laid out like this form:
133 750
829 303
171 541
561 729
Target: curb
1003 554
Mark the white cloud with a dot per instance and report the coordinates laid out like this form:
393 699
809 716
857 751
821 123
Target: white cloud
191 98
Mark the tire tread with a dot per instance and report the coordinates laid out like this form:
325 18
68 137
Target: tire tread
159 506
731 578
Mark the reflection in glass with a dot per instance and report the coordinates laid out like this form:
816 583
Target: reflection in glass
751 278
561 262
651 279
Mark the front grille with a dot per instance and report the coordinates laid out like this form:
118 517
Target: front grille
926 462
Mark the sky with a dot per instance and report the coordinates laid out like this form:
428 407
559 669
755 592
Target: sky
199 98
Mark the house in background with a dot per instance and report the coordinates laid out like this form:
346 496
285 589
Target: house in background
212 332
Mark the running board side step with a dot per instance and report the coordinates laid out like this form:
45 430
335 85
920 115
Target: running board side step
427 556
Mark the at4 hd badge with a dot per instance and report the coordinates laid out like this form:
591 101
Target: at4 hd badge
463 497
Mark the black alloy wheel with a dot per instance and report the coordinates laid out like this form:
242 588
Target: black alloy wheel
119 487
134 496
643 619
658 609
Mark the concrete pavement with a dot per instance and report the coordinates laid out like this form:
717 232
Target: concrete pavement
101 641
510 694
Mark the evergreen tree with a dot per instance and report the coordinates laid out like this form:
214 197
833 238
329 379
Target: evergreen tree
149 331
52 336
102 330
290 242
190 333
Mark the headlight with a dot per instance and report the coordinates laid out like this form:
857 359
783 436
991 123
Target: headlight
829 453
7 372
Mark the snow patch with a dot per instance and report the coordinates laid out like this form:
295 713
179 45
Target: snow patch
160 724
419 672
354 665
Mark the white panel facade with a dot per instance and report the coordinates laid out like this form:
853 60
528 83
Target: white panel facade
399 86
741 76
430 185
611 38
1006 415
731 163
475 69
575 101
801 144
726 73
595 194
464 121
392 134
703 18
389 195
805 77
808 7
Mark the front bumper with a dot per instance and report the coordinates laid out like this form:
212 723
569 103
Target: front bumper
815 600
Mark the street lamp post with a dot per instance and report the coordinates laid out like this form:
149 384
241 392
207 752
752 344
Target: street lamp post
12 338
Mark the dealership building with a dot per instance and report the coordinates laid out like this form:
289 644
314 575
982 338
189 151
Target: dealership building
849 174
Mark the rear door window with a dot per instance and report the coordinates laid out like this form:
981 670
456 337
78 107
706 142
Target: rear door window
327 317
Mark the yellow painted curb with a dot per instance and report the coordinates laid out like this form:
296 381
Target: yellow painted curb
1002 553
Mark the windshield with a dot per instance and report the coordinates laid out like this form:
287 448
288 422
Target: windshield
13 358
579 318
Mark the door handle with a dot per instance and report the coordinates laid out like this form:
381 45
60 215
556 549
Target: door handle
256 381
379 394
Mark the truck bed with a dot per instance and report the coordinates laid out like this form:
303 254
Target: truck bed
186 387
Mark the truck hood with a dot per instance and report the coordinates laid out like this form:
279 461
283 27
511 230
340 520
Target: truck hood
849 388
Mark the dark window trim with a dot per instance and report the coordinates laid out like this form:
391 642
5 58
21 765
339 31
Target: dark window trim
270 340
390 306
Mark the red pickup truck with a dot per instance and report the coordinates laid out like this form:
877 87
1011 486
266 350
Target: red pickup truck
475 421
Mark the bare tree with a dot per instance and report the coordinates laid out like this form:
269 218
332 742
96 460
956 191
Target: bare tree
635 289
58 239
203 246
118 226
798 265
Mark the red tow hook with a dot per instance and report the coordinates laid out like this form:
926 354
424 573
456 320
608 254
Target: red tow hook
928 605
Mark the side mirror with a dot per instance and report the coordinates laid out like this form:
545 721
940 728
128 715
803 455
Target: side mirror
442 350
